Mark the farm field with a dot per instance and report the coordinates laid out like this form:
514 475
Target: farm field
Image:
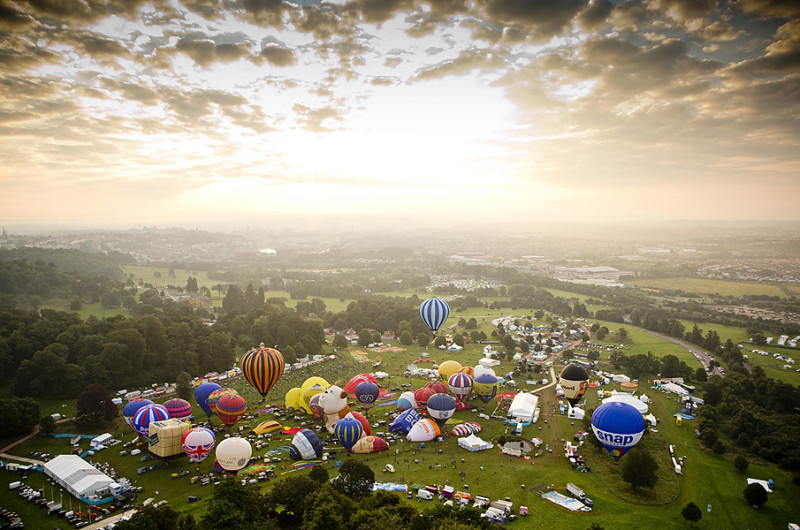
702 286
707 479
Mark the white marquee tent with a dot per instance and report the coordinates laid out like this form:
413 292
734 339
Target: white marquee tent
79 477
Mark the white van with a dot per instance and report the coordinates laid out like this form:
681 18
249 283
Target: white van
425 495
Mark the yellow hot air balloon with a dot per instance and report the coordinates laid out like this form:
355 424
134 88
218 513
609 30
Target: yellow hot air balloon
292 399
448 368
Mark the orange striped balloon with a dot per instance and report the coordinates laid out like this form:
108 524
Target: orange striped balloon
262 367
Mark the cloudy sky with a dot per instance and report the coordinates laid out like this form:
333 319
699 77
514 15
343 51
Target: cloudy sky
176 111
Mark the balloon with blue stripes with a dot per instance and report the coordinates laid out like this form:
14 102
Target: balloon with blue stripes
434 312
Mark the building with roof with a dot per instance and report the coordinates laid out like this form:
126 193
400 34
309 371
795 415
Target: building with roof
81 478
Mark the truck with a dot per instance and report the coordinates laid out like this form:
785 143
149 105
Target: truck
503 505
425 495
481 501
579 494
14 485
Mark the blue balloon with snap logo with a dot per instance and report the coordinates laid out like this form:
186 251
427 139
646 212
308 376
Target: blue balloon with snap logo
618 426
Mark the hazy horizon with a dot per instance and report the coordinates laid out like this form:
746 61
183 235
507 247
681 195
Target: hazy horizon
406 113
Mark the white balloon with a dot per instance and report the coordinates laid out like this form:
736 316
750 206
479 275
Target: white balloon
233 453
480 370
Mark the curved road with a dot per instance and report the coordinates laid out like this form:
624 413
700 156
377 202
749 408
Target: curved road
701 355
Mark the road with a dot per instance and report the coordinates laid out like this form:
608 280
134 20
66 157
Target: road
548 385
109 519
704 357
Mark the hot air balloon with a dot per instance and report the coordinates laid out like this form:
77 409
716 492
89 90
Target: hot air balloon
434 312
438 387
233 453
348 430
423 431
310 388
292 399
406 401
130 410
448 368
198 443
366 393
618 426
262 367
422 395
465 429
441 407
230 408
314 406
468 370
485 387
201 394
370 444
267 426
362 419
351 385
178 408
404 422
460 385
214 396
574 380
306 445
481 370
146 415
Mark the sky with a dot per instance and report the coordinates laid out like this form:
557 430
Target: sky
174 112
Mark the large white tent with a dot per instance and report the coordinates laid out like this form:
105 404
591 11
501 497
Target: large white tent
523 407
638 404
80 478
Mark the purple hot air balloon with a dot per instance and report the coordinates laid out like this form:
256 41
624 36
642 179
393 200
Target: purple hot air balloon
178 408
366 393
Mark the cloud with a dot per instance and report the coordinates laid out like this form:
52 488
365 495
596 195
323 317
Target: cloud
278 56
544 17
101 49
467 61
782 57
595 14
131 91
314 119
684 10
13 18
262 12
719 31
85 11
323 22
205 52
769 8
19 56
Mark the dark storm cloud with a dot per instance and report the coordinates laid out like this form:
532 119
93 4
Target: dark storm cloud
595 14
15 88
545 17
770 8
278 56
13 18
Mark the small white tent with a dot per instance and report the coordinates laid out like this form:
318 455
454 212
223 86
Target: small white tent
474 443
629 400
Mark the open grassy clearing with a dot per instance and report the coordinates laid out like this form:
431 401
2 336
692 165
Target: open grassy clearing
702 286
639 342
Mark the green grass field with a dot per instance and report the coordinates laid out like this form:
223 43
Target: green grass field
702 286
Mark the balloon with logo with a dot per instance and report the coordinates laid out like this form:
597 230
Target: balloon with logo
405 421
233 453
351 385
230 408
201 394
147 415
130 410
460 385
406 401
306 445
434 313
424 430
178 408
214 397
198 443
348 430
485 387
315 407
262 367
574 380
310 388
366 393
618 426
448 368
441 407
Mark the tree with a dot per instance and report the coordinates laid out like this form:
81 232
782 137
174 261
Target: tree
623 334
458 339
440 341
75 304
423 339
17 416
319 474
110 300
183 386
339 341
700 375
406 338
94 406
365 338
161 518
47 425
191 285
691 513
290 495
355 479
740 463
755 495
237 506
640 469
471 324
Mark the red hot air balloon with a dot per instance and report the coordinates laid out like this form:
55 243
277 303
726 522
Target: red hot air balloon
230 408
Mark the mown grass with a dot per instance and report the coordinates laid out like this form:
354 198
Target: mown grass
701 286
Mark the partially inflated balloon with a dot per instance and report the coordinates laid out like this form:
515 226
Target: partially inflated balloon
351 385
481 370
314 406
201 394
468 370
363 420
423 431
216 394
230 408
406 401
422 395
448 368
370 444
306 445
438 387
403 423
234 453
198 443
460 385
262 367
348 430
485 387
434 312
292 400
130 410
441 407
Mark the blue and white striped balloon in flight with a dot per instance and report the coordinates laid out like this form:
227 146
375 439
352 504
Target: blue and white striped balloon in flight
434 312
